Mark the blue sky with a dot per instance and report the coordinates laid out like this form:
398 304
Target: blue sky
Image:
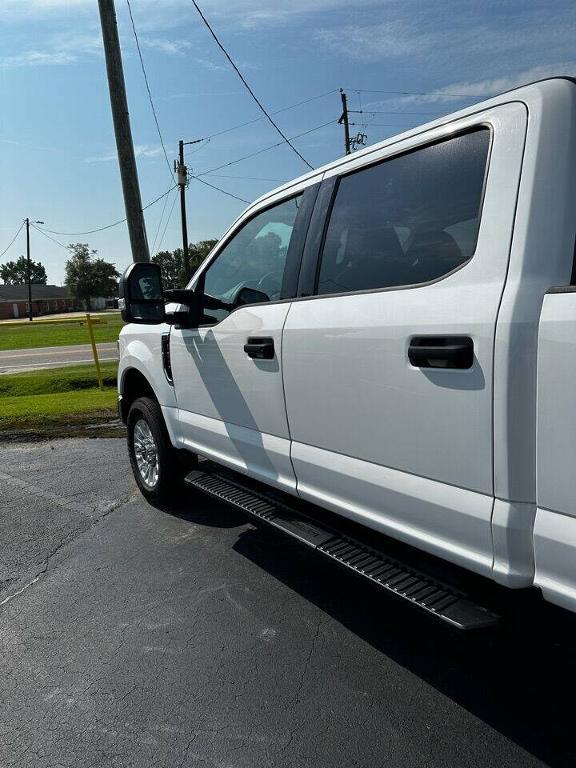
57 151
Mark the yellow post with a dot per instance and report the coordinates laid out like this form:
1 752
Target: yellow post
94 351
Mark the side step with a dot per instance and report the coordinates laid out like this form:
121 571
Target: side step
432 596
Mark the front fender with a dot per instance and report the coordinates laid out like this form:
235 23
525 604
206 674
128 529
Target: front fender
141 350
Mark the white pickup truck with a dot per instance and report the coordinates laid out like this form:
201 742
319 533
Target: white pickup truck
391 337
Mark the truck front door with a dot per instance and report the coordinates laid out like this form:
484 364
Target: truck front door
228 372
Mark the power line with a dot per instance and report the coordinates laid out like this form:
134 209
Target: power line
384 125
275 112
264 149
419 93
220 190
88 232
246 178
148 88
108 226
390 112
49 237
249 89
202 144
159 223
11 243
167 223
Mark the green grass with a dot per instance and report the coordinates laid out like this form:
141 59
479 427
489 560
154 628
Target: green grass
61 396
56 380
38 334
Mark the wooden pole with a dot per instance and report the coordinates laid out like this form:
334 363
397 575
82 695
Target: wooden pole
124 144
94 352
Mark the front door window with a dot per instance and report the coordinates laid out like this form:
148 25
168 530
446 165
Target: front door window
255 258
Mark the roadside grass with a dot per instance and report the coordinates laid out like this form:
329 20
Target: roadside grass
39 334
39 401
56 380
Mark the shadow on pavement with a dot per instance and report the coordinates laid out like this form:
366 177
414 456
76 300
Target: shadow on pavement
518 679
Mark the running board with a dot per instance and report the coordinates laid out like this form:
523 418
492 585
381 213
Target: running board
442 601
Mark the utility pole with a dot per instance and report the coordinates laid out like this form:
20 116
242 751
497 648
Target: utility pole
181 172
360 138
344 120
182 176
28 267
28 271
124 144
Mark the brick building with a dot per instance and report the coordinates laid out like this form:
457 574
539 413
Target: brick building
46 299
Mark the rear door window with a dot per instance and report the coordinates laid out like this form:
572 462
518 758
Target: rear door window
408 220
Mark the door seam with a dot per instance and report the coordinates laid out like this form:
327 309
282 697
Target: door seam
285 400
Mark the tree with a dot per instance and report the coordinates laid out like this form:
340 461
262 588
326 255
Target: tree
172 262
88 276
15 272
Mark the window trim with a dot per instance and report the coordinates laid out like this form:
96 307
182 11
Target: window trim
293 263
319 223
315 237
484 125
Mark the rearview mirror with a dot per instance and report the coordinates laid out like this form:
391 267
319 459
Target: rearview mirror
141 295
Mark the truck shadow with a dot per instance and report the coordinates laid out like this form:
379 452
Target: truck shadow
517 679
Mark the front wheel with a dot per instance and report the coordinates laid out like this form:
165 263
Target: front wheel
158 467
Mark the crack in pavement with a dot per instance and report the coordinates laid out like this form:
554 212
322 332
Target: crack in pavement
102 510
54 498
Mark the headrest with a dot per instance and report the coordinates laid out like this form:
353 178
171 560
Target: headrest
380 242
435 244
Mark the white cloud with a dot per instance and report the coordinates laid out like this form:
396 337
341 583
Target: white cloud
171 47
388 39
78 43
16 11
257 13
37 59
436 35
145 150
140 150
493 86
59 50
243 13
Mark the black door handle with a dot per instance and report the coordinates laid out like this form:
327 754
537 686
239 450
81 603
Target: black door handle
441 351
260 348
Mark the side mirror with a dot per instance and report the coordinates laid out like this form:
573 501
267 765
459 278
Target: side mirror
188 298
141 295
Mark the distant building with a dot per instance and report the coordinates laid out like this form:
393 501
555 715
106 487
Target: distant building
46 300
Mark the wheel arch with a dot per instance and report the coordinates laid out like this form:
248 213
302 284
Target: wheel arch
133 384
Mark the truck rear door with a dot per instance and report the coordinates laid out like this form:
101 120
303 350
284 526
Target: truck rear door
388 364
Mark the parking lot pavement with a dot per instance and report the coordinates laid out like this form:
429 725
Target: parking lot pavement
131 636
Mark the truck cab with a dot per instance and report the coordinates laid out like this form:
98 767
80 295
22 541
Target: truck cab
391 338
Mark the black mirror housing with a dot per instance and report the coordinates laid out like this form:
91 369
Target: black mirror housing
188 298
180 296
141 294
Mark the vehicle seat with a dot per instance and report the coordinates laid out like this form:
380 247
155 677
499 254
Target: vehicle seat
374 259
433 254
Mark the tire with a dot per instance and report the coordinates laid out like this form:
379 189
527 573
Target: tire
158 467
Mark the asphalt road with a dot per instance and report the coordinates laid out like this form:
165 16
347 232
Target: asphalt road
132 636
20 360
